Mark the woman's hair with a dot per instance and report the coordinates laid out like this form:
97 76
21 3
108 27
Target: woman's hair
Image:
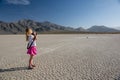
28 31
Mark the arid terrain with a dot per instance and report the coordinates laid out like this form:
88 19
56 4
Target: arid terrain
62 57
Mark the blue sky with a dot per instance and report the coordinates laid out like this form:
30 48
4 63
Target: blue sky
74 13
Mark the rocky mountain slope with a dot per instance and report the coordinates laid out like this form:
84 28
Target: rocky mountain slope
102 29
20 26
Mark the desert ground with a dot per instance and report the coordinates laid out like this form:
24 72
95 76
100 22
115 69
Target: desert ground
62 57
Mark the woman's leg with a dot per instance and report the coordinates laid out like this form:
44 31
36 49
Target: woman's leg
31 61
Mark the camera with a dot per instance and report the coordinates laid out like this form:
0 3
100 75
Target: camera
34 33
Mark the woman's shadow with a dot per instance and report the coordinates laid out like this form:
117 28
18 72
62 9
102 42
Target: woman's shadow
14 69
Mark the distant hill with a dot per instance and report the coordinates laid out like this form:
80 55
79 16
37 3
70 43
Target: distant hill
81 29
19 27
102 29
118 28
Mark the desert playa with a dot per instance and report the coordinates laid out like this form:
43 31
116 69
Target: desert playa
62 57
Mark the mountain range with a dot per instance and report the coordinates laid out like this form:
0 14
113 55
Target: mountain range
19 27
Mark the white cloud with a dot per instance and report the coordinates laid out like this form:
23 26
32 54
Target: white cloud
19 2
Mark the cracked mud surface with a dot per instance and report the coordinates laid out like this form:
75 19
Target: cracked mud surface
62 57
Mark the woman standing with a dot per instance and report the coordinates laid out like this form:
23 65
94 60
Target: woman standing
31 47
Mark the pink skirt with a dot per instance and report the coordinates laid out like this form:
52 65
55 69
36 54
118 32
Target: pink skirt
32 50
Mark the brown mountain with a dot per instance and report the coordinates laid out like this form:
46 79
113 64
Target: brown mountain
101 29
20 26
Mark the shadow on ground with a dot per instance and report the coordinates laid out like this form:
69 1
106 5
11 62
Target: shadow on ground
13 69
118 78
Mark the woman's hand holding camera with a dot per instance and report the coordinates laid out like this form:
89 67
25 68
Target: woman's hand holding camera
35 34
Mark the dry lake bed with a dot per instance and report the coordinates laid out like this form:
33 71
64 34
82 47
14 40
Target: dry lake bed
62 57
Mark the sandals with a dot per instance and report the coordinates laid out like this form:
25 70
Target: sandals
31 67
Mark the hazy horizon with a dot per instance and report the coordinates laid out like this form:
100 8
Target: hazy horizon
73 13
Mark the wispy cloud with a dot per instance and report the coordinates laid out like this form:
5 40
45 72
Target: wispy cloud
19 2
